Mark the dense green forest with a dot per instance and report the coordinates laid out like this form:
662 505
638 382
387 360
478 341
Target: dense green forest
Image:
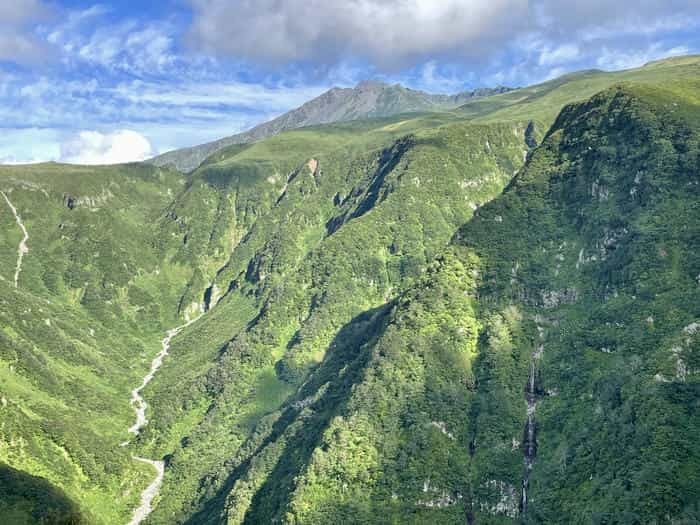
486 315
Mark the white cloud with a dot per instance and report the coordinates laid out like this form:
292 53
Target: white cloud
389 32
613 59
171 114
216 94
392 33
130 46
550 56
93 147
18 43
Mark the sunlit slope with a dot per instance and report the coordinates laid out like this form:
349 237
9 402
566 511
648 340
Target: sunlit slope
542 102
236 187
343 229
78 330
578 286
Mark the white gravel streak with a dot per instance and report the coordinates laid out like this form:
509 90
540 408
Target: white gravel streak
23 248
147 495
140 406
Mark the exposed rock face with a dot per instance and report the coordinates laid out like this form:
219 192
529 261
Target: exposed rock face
507 499
91 201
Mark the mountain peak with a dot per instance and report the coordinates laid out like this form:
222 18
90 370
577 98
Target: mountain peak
371 84
368 99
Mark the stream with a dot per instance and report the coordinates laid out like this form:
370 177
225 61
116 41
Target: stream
530 434
140 405
23 248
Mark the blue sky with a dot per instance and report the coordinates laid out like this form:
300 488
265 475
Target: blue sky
116 81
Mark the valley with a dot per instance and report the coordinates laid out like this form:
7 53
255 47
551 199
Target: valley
140 406
481 310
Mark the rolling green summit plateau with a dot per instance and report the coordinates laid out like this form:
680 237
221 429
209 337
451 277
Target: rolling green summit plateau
382 307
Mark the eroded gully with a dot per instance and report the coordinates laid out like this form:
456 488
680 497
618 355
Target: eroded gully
530 433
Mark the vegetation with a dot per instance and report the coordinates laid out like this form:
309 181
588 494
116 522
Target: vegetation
78 332
369 99
384 300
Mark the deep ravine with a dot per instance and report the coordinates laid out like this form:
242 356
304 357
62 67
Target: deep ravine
23 248
140 405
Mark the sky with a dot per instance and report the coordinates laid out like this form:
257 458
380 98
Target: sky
121 80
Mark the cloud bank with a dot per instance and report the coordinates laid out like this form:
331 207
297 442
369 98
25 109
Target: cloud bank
393 33
390 32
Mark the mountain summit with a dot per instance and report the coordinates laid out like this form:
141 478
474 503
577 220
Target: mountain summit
370 98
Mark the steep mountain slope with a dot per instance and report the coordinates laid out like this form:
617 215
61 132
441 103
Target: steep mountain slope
238 383
545 368
367 100
349 230
386 332
79 326
118 254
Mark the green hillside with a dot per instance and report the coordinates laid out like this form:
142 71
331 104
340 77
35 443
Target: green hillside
77 333
543 102
488 315
369 99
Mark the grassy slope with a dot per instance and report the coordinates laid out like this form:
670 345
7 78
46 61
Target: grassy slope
300 261
79 331
595 243
334 244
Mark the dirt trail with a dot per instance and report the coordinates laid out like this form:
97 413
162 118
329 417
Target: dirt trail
23 248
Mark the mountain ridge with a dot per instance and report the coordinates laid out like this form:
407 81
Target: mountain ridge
368 99
487 315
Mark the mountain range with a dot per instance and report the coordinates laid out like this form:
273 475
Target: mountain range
401 308
369 99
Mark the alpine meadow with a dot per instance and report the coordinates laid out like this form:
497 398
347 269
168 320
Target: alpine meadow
386 306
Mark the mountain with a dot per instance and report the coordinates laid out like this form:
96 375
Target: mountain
368 99
487 315
545 367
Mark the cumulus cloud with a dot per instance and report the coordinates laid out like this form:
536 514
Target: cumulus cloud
387 31
93 147
394 32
